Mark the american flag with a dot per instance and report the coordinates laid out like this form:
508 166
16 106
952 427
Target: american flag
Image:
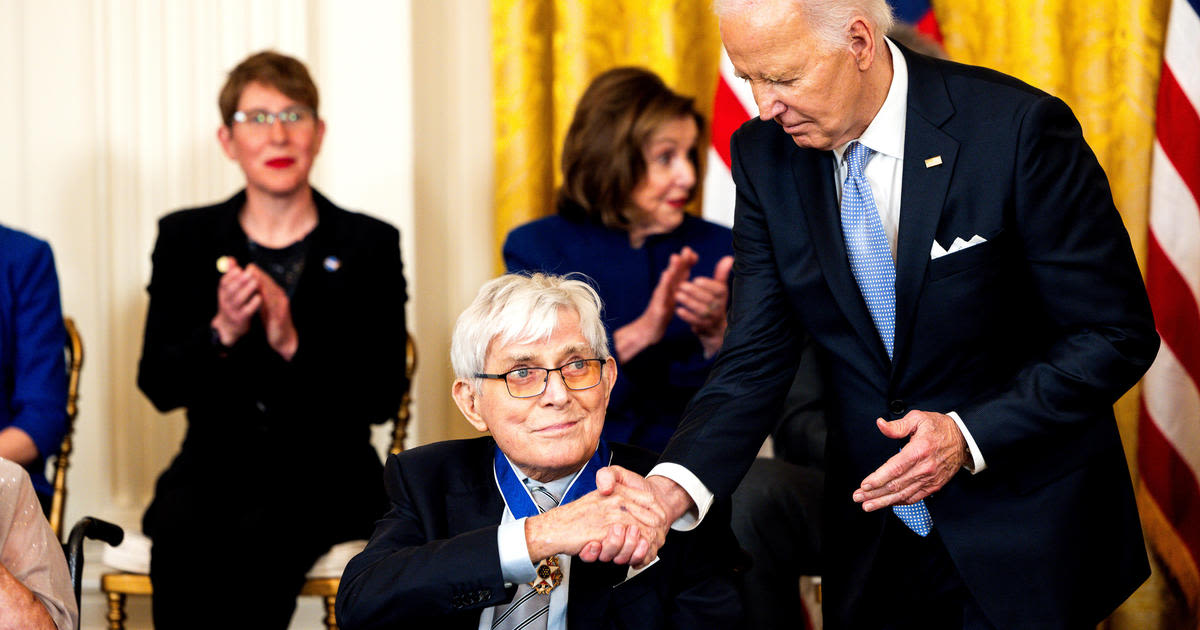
1169 426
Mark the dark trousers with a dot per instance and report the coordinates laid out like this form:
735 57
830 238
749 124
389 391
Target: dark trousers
227 565
777 520
914 585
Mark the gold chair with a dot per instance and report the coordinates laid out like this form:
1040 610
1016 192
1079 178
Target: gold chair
73 349
319 583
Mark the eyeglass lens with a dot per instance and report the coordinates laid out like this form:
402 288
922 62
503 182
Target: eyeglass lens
529 382
263 118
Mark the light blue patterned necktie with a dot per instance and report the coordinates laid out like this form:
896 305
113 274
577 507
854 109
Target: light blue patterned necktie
873 269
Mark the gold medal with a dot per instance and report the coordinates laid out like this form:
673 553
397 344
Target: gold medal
549 575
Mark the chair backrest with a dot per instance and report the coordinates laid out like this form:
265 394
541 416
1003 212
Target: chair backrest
74 355
403 414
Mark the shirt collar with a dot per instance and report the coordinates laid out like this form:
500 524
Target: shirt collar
885 134
558 487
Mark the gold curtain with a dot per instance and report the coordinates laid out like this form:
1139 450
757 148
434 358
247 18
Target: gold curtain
1103 57
545 52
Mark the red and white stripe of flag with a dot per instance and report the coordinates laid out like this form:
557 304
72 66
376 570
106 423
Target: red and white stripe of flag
733 105
1169 427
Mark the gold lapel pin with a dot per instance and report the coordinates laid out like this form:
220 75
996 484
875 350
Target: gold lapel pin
933 161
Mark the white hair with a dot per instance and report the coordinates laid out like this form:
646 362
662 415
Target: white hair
827 18
523 308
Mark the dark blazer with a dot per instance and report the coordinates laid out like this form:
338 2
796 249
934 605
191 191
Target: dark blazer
262 430
1030 336
433 560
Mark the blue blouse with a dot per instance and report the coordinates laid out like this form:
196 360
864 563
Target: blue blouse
33 381
654 387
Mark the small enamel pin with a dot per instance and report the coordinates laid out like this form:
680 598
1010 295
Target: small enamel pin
225 263
332 263
933 161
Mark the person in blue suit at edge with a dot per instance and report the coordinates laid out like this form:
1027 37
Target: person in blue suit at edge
33 376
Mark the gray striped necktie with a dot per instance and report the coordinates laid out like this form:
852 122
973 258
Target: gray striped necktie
528 610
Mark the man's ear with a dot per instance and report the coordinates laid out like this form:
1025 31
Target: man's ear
466 398
610 373
862 42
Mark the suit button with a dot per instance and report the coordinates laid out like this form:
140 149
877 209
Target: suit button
896 407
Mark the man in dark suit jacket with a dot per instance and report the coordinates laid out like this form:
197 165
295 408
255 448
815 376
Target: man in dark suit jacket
1019 318
467 528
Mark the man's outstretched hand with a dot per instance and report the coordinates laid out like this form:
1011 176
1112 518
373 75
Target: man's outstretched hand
658 502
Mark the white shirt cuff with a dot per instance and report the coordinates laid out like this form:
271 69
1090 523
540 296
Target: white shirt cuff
691 484
514 553
976 465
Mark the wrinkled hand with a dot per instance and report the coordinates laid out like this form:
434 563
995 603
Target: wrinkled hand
936 450
649 327
669 498
276 314
237 302
618 519
701 303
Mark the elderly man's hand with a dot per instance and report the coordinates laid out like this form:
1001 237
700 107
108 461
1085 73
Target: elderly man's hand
667 502
936 450
618 518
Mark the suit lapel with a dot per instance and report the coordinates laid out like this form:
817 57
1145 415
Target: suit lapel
923 193
474 502
819 203
323 245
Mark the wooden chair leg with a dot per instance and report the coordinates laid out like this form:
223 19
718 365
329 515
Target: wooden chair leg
330 617
116 611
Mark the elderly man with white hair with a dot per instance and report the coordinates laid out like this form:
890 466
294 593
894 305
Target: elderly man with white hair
949 241
481 533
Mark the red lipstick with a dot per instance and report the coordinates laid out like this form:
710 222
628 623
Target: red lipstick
282 162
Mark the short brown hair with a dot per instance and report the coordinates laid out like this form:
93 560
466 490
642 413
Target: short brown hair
284 73
602 159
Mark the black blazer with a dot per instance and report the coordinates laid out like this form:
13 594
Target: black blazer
1030 336
433 560
262 430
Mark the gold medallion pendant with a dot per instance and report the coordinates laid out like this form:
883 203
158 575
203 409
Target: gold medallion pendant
549 575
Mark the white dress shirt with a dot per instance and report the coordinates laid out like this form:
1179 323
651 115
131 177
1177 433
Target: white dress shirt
884 171
514 557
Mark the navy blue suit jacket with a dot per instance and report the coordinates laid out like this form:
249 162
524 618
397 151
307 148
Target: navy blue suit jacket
33 382
1030 336
434 562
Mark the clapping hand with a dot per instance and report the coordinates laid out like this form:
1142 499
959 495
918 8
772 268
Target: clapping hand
237 301
243 292
702 304
276 314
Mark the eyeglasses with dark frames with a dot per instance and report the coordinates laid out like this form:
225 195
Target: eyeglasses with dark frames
527 382
262 119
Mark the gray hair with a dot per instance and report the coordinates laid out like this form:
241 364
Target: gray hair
523 308
827 18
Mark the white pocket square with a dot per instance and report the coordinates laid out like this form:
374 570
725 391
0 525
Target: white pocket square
958 245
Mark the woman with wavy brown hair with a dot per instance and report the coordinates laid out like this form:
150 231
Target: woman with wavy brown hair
630 167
